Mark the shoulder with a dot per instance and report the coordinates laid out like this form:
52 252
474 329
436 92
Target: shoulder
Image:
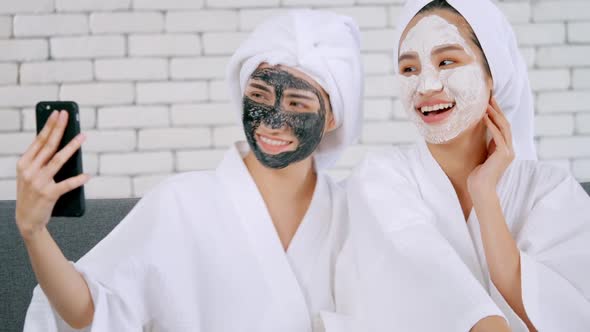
191 184
538 178
388 163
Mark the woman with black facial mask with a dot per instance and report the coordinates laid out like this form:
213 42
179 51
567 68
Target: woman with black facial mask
249 246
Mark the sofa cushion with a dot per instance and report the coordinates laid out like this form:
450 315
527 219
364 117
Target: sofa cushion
75 236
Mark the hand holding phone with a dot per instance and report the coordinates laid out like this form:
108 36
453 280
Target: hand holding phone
40 171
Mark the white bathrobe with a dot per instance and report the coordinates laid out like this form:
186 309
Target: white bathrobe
433 256
200 253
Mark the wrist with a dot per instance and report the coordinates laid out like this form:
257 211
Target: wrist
30 234
483 195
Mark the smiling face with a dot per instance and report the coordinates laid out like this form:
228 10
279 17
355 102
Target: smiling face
285 115
444 87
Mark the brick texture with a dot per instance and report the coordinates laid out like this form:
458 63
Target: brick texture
149 76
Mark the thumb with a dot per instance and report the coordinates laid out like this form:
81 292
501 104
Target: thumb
491 147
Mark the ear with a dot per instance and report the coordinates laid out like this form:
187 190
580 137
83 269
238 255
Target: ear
330 122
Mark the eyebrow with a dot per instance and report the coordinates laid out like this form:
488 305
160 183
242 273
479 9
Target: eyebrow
409 56
448 48
298 95
261 87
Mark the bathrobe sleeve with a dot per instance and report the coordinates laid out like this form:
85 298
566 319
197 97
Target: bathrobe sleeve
554 245
116 271
409 277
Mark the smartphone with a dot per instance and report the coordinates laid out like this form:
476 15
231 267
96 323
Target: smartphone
70 204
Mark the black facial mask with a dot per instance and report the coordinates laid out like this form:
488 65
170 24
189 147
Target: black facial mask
307 128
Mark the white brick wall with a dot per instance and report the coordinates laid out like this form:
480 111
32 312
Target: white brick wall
366 16
554 125
540 33
8 73
133 117
23 49
5 26
199 159
98 93
249 18
563 56
581 78
9 120
176 138
164 45
549 79
241 3
149 78
126 22
26 6
583 123
577 32
144 183
203 114
87 47
136 163
56 71
517 12
561 10
566 101
26 95
8 166
198 68
50 25
198 21
221 43
168 4
91 5
108 187
581 169
127 69
110 140
171 92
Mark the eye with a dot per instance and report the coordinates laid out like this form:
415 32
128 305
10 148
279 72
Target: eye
256 95
409 69
297 104
446 63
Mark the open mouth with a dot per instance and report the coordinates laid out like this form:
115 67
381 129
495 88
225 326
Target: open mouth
435 113
273 145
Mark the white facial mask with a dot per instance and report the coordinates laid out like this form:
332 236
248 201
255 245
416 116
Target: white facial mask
464 85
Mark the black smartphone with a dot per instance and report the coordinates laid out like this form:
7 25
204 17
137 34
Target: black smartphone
70 204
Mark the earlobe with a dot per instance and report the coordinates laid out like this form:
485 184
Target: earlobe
331 123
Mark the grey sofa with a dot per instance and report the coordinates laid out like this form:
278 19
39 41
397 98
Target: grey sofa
74 235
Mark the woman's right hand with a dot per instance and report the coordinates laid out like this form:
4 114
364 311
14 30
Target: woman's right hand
37 192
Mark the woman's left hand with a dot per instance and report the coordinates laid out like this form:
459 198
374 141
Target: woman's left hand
484 178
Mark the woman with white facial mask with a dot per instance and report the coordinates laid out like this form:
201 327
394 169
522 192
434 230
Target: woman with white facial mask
249 246
455 229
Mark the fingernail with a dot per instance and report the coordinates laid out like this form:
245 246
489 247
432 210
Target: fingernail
81 137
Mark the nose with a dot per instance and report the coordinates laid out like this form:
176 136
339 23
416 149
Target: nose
274 128
429 82
275 121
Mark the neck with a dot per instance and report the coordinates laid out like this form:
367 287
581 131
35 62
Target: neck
291 183
461 155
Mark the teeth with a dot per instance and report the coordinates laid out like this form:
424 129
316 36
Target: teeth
426 109
272 141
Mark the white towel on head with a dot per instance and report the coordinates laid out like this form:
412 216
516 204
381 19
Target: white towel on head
323 45
509 71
